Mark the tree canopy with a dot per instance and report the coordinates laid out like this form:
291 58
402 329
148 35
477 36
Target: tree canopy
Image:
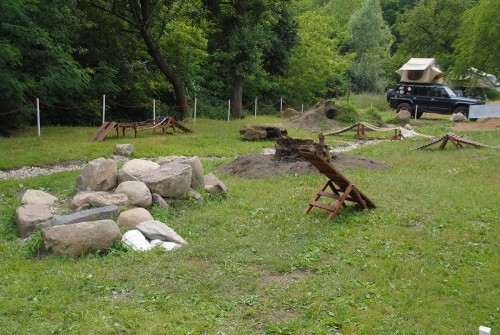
70 53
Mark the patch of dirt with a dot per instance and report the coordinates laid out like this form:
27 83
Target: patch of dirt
314 120
481 124
261 166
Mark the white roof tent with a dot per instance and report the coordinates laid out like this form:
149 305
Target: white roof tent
421 70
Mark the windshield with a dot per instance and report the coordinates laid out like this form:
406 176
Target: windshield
450 92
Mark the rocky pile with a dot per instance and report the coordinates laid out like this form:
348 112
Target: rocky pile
101 191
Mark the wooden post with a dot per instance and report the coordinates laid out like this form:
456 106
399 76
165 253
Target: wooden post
154 109
255 111
228 109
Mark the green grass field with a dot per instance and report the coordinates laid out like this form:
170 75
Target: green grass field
425 261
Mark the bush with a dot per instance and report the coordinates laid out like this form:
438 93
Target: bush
492 94
372 116
347 112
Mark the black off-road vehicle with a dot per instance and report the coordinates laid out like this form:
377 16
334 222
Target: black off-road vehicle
433 98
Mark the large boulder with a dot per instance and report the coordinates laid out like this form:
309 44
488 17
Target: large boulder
156 230
160 202
137 167
38 197
98 199
29 216
79 238
137 193
169 180
458 117
98 175
197 174
129 219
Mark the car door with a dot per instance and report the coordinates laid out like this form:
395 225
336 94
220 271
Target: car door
421 97
439 100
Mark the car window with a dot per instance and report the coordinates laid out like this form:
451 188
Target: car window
438 92
450 92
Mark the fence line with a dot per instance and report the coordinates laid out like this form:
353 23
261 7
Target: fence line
37 104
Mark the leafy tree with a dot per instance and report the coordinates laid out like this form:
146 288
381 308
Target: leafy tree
370 40
478 44
36 55
429 30
315 60
241 40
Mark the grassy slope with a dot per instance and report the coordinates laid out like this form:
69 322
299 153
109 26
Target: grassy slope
425 261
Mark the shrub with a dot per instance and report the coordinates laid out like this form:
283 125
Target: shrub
372 115
347 112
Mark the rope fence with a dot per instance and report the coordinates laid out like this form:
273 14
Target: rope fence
154 104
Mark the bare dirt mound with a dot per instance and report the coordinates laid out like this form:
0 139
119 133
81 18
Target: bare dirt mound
481 124
313 119
261 166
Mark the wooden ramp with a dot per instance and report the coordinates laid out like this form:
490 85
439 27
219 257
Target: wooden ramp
103 131
454 139
337 188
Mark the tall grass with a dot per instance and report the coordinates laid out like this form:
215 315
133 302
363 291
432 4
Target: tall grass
425 261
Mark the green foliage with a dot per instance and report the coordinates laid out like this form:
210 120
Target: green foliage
33 245
492 94
315 60
347 112
370 38
429 30
478 38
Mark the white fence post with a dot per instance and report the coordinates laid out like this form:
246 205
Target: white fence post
281 105
38 116
154 109
302 108
416 111
195 104
255 111
103 108
228 109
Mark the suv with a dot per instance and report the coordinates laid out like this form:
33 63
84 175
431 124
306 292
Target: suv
434 98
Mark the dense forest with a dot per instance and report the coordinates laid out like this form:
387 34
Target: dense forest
69 53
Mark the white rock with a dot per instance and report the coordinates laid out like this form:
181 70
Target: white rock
165 245
136 240
154 229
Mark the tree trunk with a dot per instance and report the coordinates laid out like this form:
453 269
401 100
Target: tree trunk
237 96
171 74
143 17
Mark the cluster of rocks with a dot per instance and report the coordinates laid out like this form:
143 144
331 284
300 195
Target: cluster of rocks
102 190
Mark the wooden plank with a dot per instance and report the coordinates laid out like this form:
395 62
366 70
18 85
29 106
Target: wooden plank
98 131
109 127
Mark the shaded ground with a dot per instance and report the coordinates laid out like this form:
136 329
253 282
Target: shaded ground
480 124
261 165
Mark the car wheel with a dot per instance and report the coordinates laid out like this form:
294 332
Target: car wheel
390 93
404 107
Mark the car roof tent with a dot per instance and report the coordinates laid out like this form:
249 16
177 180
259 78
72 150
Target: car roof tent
421 70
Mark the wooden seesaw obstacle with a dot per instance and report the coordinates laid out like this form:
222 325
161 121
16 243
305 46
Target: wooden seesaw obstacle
455 140
337 188
162 123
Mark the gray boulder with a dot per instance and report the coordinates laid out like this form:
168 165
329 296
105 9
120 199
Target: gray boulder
93 214
137 167
38 197
169 180
98 199
124 176
29 216
124 149
459 117
214 186
159 201
79 238
137 193
197 174
98 175
156 230
403 115
131 218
